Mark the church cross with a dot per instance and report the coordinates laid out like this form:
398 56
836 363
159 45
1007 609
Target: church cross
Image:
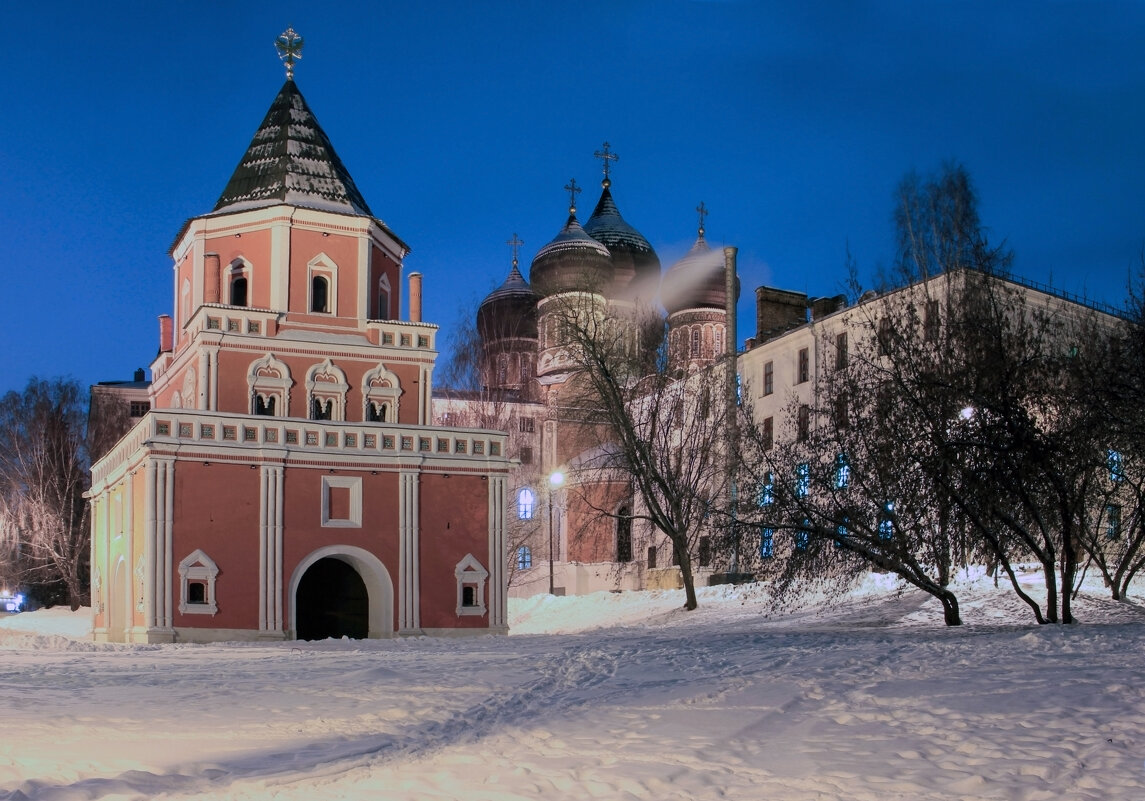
703 210
573 191
515 243
606 156
289 46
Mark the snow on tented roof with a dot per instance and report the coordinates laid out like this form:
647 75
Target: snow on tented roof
291 160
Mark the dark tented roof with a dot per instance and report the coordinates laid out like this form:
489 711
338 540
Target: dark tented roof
290 160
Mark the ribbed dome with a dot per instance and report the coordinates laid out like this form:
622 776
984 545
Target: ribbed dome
572 261
637 267
510 310
696 281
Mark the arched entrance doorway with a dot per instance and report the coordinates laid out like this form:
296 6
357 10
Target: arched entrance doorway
341 591
332 602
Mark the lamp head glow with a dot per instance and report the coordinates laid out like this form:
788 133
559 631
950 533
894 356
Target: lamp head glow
967 413
557 478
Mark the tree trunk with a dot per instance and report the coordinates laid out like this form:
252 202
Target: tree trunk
686 576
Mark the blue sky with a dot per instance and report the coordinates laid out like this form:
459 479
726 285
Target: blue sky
461 122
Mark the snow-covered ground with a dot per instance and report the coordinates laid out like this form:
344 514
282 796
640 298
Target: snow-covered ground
610 696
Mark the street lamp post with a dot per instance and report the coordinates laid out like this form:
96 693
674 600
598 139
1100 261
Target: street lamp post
555 481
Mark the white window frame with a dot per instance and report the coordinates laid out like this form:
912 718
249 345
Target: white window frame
327 382
197 567
322 265
352 483
469 572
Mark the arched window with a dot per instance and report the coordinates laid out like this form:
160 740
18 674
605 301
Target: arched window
381 390
624 534
239 291
524 558
269 382
326 389
197 574
695 342
320 294
526 504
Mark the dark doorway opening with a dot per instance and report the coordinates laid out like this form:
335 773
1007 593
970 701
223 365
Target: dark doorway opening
332 601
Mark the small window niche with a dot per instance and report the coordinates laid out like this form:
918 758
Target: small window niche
471 578
341 501
197 574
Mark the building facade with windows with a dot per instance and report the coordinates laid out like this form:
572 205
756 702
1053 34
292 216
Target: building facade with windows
287 481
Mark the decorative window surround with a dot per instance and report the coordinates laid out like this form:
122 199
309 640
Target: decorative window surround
380 391
354 485
471 578
198 568
268 378
327 382
322 266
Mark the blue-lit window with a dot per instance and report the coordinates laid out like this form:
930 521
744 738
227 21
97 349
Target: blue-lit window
766 543
803 535
524 557
526 504
842 472
886 521
766 495
1113 521
842 531
802 480
1115 465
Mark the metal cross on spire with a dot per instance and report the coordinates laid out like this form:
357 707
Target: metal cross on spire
606 156
289 46
703 210
515 243
573 191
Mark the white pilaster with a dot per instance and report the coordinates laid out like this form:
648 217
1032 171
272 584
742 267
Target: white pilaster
409 582
270 550
498 577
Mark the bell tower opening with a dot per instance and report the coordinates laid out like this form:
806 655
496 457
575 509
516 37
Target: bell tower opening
332 601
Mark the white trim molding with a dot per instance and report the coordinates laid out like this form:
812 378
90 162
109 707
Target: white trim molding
197 567
470 573
354 485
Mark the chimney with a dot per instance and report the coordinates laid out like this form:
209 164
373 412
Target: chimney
211 290
415 297
139 375
166 331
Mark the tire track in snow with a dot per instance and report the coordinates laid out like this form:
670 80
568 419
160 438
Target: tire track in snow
566 680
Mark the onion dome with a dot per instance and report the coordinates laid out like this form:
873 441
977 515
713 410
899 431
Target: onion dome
573 261
636 264
510 310
697 280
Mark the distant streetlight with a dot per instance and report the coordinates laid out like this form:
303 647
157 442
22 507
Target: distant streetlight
555 481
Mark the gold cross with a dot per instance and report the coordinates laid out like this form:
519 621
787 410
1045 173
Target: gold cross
606 156
573 191
515 243
289 46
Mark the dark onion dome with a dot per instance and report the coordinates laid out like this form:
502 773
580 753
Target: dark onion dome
510 310
636 264
697 280
572 261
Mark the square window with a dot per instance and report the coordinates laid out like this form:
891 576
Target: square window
207 431
443 446
405 340
478 448
423 443
371 441
249 434
311 437
459 447
422 341
291 437
163 428
233 325
253 327
272 435
185 429
407 443
494 448
350 441
387 338
230 432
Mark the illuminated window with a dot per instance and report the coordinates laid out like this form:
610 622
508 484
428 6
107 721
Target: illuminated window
1115 462
524 558
526 504
766 543
766 495
802 480
842 472
803 535
886 521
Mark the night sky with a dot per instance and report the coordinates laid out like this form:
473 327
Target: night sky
461 122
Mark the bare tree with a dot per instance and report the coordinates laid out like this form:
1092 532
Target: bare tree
43 475
659 429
